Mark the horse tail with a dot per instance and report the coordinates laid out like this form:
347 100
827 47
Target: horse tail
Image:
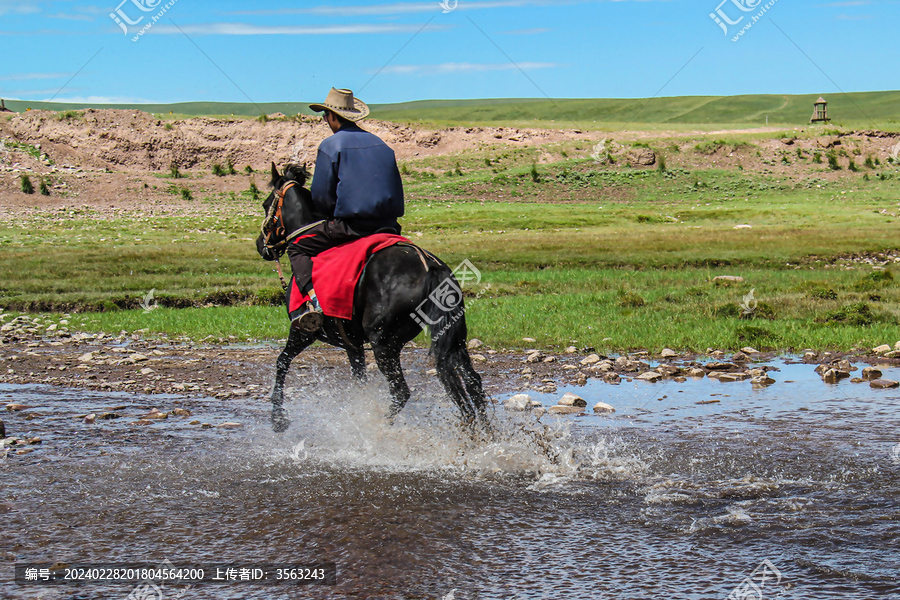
446 316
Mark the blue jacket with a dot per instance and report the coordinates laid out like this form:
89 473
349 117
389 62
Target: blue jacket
357 180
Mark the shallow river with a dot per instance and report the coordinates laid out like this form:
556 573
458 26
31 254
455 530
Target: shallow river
674 496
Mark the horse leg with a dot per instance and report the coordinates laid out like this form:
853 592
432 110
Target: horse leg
357 359
296 343
388 360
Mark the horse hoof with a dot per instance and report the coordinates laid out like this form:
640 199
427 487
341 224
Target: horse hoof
280 422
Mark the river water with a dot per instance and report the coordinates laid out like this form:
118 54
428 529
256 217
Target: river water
683 493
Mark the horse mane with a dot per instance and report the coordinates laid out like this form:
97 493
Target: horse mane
296 173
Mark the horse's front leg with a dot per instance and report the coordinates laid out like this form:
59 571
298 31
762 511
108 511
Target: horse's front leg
388 360
296 343
357 357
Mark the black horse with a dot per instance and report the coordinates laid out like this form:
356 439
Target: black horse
394 295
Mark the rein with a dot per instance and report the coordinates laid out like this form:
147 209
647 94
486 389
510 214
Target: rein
273 227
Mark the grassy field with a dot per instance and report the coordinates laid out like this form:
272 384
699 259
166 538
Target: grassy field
571 253
858 109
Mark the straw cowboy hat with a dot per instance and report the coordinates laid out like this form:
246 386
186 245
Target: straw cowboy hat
343 103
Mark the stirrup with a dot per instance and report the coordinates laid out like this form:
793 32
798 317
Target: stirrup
311 320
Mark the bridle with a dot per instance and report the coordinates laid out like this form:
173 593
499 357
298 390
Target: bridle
273 228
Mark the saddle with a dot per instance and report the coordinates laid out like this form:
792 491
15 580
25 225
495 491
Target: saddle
337 271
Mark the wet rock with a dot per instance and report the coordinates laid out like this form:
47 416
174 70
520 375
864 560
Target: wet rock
845 365
668 353
88 357
893 354
857 380
474 344
34 441
156 414
571 350
549 359
206 426
897 346
882 349
181 412
194 422
871 373
518 402
539 412
581 379
603 408
14 407
534 357
143 422
565 410
229 425
613 378
89 419
570 399
146 371
696 372
740 357
749 350
106 416
721 366
570 368
884 384
591 359
668 370
549 388
821 369
834 375
762 380
527 371
2 430
651 376
756 372
731 377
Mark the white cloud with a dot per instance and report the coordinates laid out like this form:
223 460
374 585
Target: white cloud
398 8
101 100
247 29
33 76
447 68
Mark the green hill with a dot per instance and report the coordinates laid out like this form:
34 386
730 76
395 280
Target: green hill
861 109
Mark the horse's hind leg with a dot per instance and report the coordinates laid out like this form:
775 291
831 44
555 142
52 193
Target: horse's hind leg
472 382
296 343
388 360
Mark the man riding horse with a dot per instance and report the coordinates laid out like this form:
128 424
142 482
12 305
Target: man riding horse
356 186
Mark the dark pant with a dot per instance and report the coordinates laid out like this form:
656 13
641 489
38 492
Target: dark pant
318 239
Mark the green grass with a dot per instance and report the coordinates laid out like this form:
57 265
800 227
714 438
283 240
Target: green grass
575 252
862 109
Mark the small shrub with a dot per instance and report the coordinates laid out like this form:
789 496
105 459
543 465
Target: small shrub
68 115
218 170
229 168
254 191
168 127
874 280
248 170
186 195
799 153
174 173
45 189
661 163
833 163
870 162
263 118
487 161
859 313
852 166
458 171
822 293
817 157
535 175
628 299
25 184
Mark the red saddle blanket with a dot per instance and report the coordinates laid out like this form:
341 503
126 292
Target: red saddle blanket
336 272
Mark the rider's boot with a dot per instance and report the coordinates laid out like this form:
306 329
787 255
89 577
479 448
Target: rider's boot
311 320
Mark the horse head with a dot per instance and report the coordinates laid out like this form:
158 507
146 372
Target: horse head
288 208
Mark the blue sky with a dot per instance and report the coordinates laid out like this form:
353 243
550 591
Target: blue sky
225 50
